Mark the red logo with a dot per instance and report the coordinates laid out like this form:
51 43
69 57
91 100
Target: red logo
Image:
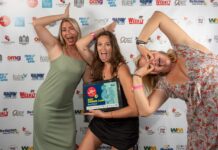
91 92
4 21
32 3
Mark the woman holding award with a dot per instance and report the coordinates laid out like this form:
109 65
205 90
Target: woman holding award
118 128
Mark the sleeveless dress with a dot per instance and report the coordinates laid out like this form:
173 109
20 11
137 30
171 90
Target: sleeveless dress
201 96
121 133
54 118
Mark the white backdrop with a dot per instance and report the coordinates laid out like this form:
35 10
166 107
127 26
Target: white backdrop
24 62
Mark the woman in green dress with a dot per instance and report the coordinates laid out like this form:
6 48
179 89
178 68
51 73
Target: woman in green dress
54 118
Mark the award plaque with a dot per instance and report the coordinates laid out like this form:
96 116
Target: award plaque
104 95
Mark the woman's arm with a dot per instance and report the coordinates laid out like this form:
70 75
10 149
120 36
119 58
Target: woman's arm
47 39
147 104
83 43
175 34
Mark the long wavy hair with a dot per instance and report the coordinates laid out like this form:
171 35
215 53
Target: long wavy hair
116 57
76 27
151 80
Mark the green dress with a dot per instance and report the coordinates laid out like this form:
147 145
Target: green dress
54 118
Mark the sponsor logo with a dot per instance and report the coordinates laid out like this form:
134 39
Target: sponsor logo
163 2
166 147
95 2
112 3
19 22
24 39
176 130
139 20
84 21
30 112
146 2
26 132
32 3
180 3
79 3
7 40
180 147
162 130
46 3
5 21
4 112
9 131
26 147
3 77
125 40
128 2
17 113
44 59
150 148
197 2
120 21
14 58
19 77
148 130
10 95
213 20
30 58
37 76
31 94
12 147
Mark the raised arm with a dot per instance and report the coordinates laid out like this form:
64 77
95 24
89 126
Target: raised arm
47 39
83 43
174 33
146 104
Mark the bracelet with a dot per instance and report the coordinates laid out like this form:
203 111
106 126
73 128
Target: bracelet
135 87
137 75
93 35
140 42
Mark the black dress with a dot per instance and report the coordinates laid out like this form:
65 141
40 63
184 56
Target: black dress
121 133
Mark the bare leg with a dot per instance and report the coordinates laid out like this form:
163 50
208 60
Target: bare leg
89 142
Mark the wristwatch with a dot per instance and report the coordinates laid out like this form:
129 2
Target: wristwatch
140 42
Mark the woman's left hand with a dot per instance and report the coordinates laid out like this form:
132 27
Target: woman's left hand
96 113
111 27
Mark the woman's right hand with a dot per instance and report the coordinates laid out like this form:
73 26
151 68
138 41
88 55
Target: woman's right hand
145 69
67 11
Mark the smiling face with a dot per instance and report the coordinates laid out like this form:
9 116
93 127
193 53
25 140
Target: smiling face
104 48
69 34
161 62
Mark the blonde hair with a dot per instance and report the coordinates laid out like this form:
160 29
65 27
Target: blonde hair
151 80
75 25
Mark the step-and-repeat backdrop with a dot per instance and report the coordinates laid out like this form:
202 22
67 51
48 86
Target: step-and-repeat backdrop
24 63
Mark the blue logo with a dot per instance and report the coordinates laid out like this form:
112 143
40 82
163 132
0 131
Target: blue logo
10 95
120 21
19 22
30 58
37 76
3 77
84 21
112 3
46 3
